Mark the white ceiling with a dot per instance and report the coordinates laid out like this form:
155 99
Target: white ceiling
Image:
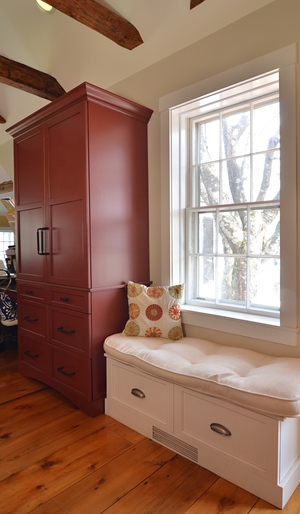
73 53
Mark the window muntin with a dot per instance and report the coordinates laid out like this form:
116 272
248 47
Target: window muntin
234 251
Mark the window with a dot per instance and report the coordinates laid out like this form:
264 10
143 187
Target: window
233 204
231 186
6 239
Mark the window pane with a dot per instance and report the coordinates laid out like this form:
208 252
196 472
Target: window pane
265 283
236 134
266 127
232 232
209 185
205 288
236 180
265 231
232 280
209 141
266 176
206 233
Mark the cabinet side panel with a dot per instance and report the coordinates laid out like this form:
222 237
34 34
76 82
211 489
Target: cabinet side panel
109 315
119 193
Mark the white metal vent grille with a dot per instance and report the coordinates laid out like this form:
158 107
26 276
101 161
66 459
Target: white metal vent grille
185 449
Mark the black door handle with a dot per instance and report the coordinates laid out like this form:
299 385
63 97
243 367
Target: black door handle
40 236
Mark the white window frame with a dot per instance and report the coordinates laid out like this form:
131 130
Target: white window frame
173 187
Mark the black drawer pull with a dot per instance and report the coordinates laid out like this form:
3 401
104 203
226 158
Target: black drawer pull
64 299
138 393
63 331
31 320
29 291
61 370
220 429
32 356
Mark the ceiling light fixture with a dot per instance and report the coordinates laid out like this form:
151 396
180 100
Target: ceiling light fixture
44 6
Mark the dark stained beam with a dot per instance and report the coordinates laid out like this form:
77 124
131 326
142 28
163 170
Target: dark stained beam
6 187
2 120
194 3
28 79
101 19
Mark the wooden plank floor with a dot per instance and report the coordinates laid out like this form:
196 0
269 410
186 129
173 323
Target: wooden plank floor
55 460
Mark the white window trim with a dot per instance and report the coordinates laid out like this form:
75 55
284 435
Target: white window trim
286 330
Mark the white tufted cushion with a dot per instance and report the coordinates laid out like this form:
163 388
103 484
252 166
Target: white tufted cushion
266 384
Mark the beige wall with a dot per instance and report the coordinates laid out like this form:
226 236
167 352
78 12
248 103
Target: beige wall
6 158
268 29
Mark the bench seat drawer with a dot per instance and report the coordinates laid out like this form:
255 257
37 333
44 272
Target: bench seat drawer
139 393
223 428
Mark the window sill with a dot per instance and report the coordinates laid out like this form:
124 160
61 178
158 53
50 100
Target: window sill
257 327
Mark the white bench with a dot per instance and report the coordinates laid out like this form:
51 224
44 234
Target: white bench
231 410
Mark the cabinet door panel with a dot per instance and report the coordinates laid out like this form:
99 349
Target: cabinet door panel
66 151
31 265
68 263
29 162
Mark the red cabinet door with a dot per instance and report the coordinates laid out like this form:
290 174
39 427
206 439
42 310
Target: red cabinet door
30 168
30 214
30 261
66 197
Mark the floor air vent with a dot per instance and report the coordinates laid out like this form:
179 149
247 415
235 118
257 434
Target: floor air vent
188 451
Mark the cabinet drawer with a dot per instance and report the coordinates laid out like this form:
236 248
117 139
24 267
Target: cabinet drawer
70 298
222 427
35 353
30 290
140 392
70 330
33 318
74 372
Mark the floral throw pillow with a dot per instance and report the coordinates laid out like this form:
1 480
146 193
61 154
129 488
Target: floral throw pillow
154 311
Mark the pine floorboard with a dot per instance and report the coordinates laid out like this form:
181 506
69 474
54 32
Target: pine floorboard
56 460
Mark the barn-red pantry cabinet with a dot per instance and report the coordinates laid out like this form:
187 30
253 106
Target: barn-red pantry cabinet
81 192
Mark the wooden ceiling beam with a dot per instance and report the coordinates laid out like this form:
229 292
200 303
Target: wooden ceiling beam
100 18
194 3
28 79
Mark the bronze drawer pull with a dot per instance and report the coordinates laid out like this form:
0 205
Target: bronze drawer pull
61 370
220 429
32 356
64 299
138 393
28 318
63 331
29 291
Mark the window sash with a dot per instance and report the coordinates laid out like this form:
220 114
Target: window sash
196 291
